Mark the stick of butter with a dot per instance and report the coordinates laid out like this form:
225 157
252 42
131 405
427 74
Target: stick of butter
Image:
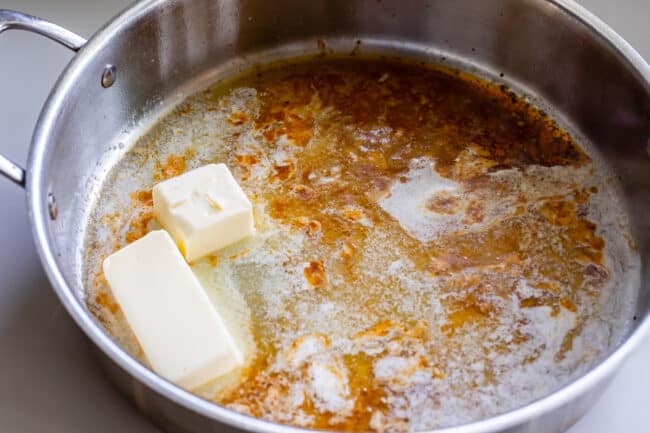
204 210
181 333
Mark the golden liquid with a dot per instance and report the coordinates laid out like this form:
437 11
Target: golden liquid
370 308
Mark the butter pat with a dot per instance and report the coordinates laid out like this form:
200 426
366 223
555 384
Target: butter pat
204 210
181 333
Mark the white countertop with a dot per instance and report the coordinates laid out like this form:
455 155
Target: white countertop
49 380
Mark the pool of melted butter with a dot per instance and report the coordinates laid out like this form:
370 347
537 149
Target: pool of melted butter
430 249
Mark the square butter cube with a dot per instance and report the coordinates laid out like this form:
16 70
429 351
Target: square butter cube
204 210
181 333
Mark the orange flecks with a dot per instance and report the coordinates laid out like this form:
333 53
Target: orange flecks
302 192
353 214
240 254
548 286
311 227
552 301
246 159
315 274
105 299
561 213
213 260
144 197
174 166
443 203
568 304
238 118
283 171
244 164
381 329
347 250
567 342
474 213
295 344
138 227
469 310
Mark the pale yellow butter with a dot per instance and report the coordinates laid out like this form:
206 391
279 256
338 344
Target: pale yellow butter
204 210
181 333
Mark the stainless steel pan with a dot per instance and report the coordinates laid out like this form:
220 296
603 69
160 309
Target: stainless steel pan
157 51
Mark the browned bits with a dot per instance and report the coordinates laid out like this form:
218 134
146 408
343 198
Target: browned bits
443 203
332 140
347 250
105 299
560 213
283 171
139 226
302 192
380 329
184 109
377 159
474 213
238 118
380 188
244 163
353 214
313 227
145 197
213 259
315 274
283 121
568 304
246 159
549 286
596 273
174 166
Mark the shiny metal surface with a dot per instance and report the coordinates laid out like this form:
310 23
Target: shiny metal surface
17 20
592 79
12 171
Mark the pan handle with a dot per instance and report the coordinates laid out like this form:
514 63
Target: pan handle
17 20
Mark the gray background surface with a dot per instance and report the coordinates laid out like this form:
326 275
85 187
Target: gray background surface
49 381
